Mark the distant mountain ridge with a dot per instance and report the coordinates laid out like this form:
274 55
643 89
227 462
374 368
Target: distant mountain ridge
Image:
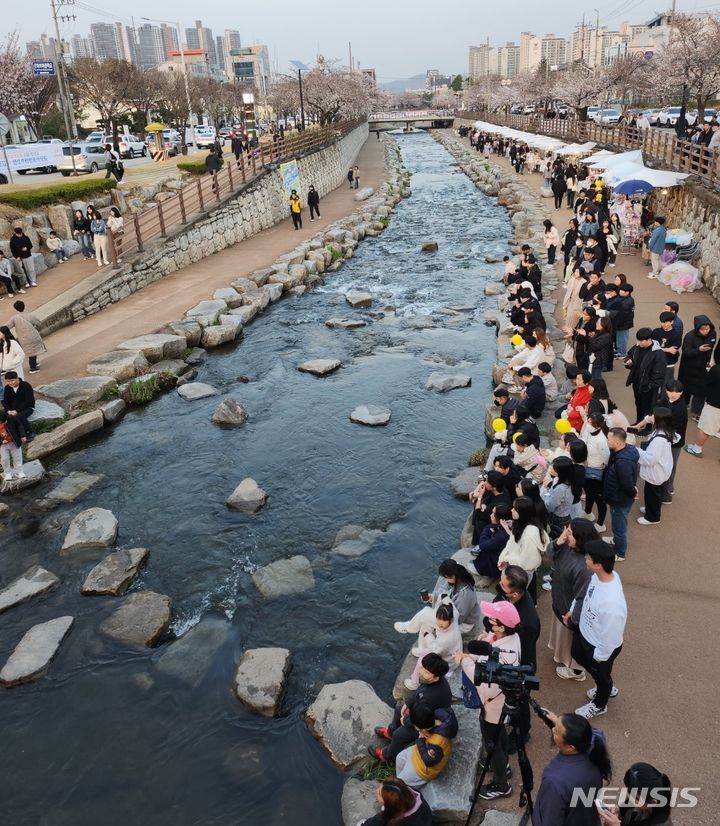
416 82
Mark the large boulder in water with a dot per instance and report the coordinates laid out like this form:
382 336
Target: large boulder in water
230 413
344 717
319 367
260 679
442 382
358 299
465 482
115 573
90 529
247 497
285 577
371 415
189 658
141 620
35 651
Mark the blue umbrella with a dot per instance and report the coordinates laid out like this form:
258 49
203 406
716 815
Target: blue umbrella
630 187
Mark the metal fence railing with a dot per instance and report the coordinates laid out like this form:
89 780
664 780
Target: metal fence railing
201 192
661 148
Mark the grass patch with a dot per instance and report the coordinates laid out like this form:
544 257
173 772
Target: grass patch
195 167
110 393
185 353
335 252
57 193
384 220
141 391
478 457
375 770
47 425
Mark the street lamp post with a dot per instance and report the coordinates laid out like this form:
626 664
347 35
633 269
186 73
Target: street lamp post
184 69
301 67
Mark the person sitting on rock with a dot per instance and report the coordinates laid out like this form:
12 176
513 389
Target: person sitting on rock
482 559
533 393
489 492
433 692
425 760
529 459
549 380
18 401
445 639
399 805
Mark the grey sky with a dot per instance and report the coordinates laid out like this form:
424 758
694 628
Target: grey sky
399 38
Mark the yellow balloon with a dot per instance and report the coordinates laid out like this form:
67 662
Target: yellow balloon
515 436
498 425
563 426
517 339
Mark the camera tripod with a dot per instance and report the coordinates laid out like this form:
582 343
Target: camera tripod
515 701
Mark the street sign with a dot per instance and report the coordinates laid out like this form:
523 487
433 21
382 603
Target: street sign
4 125
43 68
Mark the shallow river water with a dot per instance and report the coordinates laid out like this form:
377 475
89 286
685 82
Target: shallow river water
111 736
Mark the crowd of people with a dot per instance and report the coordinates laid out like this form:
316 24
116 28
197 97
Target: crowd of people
538 509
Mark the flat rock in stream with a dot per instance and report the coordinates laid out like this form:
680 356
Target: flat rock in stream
285 577
35 651
34 474
260 679
345 323
371 415
319 367
66 434
358 299
90 529
141 620
442 382
73 486
114 574
196 390
344 717
247 497
34 581
354 540
190 657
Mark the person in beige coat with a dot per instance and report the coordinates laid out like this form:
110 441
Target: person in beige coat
11 354
27 333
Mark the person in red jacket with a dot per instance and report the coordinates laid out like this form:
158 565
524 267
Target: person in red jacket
577 405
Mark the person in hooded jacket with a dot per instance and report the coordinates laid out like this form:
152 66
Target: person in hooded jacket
620 486
697 350
648 368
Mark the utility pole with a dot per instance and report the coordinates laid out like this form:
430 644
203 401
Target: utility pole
350 57
302 103
65 98
582 40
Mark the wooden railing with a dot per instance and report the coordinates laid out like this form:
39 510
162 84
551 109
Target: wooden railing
201 192
660 148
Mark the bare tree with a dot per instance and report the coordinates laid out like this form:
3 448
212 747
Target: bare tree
173 102
107 86
630 76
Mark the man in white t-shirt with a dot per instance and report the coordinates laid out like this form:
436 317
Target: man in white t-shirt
599 637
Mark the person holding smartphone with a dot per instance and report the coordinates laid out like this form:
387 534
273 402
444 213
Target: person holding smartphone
645 788
697 351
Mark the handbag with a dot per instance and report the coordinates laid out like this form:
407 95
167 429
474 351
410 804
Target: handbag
593 473
471 698
568 353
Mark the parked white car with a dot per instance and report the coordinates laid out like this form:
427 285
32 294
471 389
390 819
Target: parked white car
668 116
89 157
130 147
606 117
205 137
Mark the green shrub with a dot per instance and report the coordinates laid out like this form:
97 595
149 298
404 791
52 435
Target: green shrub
195 167
335 252
61 192
478 457
375 770
166 381
141 391
47 425
384 220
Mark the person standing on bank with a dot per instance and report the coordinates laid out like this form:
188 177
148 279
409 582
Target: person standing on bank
648 366
313 201
599 638
99 230
21 250
12 354
697 350
296 209
656 245
356 177
82 234
656 463
552 241
27 326
116 225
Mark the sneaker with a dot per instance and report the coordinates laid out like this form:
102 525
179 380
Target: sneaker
693 450
566 673
401 627
493 790
590 516
411 685
651 275
416 652
22 291
547 578
547 586
619 558
383 732
20 474
600 528
33 285
36 370
643 521
377 753
590 710
11 295
592 692
667 501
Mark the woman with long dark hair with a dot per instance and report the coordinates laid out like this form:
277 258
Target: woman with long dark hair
645 787
567 243
526 541
399 804
594 434
12 355
582 764
600 345
569 583
656 464
530 488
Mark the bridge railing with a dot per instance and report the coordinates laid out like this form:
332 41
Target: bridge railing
202 192
411 114
662 148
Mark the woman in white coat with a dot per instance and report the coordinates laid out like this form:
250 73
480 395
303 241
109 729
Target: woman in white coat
594 434
526 542
445 639
656 463
12 354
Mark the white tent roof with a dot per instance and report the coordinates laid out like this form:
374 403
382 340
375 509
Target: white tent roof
611 161
640 172
576 148
536 141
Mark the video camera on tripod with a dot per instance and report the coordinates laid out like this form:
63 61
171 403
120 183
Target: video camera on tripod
510 678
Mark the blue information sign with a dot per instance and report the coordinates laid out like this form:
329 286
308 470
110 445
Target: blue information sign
43 68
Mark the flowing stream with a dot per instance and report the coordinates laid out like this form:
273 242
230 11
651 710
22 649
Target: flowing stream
112 736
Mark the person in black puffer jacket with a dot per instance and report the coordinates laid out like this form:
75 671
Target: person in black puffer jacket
697 349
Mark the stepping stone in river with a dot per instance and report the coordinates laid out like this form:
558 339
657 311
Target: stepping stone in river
34 474
115 573
73 486
247 497
319 367
358 299
90 529
354 540
196 390
230 413
285 577
345 323
190 657
141 620
343 718
260 679
34 581
33 654
371 415
442 382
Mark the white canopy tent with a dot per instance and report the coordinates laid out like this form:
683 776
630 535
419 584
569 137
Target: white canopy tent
576 148
612 159
543 142
640 172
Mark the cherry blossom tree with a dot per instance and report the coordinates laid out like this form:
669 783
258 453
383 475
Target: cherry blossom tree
16 88
630 76
332 93
579 87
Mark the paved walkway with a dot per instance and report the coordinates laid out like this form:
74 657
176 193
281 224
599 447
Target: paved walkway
149 309
669 669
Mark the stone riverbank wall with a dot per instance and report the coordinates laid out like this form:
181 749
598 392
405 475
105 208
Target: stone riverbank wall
259 205
696 209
